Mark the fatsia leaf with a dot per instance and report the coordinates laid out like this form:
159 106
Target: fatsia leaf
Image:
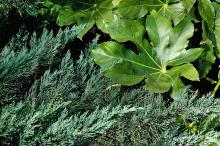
217 28
188 4
137 8
173 9
67 13
162 34
207 59
207 12
86 12
192 15
103 12
211 43
161 82
189 72
175 12
116 2
130 30
166 50
121 72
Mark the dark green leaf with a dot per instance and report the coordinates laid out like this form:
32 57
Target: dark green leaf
167 48
188 4
207 12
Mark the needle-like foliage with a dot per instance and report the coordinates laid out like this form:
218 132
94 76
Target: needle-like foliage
47 116
21 60
75 105
186 121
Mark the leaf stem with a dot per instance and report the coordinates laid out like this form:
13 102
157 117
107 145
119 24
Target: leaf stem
212 81
216 88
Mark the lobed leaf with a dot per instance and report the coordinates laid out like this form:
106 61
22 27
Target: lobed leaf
167 49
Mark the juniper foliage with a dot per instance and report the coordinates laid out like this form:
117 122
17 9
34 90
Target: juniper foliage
24 60
23 7
186 121
51 115
75 105
44 118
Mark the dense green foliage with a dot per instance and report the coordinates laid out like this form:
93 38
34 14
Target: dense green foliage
75 105
21 6
18 65
166 49
53 104
52 88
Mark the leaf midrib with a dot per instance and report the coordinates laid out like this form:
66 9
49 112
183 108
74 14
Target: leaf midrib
134 62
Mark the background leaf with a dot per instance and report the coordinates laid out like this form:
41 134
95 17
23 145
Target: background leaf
207 12
188 4
85 13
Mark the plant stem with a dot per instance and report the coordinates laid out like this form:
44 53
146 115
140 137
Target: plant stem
216 88
211 80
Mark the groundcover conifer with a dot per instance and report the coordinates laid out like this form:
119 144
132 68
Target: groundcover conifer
130 50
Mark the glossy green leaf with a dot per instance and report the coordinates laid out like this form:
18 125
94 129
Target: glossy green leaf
137 8
86 12
208 58
211 43
123 30
175 12
110 53
162 34
124 74
189 72
173 9
207 12
186 56
217 28
166 49
67 13
188 4
192 15
102 12
159 82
